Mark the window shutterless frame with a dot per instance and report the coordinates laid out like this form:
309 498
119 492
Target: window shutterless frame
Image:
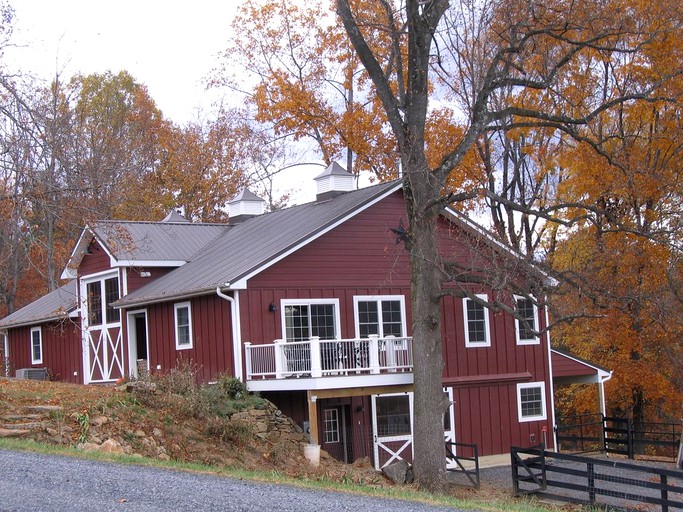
477 324
524 329
36 345
531 404
183 325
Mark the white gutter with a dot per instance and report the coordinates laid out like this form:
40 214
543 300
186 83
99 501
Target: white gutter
236 328
552 386
5 366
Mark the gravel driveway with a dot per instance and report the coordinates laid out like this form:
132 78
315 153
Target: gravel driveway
30 482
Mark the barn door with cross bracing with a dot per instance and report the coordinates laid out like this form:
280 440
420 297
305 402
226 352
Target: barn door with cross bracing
392 428
102 335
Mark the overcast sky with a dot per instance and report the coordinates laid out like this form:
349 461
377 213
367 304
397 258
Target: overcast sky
170 46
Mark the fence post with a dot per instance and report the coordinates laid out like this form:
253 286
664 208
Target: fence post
663 480
629 438
591 482
513 466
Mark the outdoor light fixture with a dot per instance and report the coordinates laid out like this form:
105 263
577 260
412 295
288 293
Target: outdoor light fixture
272 308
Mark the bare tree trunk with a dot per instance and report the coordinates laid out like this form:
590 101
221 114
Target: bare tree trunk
426 281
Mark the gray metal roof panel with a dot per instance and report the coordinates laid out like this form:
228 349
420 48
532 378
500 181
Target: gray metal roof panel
53 306
156 241
253 243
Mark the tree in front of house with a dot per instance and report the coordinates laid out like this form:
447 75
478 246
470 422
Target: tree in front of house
566 64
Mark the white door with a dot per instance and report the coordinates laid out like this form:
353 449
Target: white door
102 337
392 428
449 427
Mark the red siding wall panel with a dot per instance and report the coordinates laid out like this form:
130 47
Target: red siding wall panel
62 355
361 257
211 353
136 280
96 261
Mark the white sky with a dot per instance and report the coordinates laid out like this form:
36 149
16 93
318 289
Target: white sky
169 46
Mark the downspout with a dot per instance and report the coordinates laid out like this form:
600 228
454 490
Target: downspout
236 328
552 384
603 398
5 354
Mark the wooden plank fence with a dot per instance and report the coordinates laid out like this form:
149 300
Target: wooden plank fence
591 481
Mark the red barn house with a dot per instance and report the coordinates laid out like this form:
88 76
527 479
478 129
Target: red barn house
310 306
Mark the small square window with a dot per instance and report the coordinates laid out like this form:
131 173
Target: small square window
183 326
531 401
36 346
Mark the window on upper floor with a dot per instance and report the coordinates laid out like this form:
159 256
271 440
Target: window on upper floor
183 325
526 325
102 311
303 319
383 315
477 329
36 345
531 401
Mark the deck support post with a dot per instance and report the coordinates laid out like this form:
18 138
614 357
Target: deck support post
313 416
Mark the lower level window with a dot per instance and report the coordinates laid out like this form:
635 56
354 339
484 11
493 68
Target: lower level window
331 425
531 401
393 415
36 346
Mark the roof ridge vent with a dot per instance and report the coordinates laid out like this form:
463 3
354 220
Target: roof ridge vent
333 181
245 205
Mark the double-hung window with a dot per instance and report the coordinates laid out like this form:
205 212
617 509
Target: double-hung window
531 401
477 329
526 323
303 319
183 325
383 315
36 345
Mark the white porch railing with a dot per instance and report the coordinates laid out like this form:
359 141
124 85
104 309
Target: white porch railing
320 358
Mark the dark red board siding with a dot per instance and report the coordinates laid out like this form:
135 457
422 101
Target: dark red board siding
211 353
62 355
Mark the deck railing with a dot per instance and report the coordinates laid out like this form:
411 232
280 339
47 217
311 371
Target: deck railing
320 358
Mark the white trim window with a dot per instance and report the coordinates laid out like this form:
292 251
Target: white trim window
477 328
527 327
304 318
383 315
183 325
331 426
36 345
531 401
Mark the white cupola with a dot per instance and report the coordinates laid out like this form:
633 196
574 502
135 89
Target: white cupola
334 181
244 205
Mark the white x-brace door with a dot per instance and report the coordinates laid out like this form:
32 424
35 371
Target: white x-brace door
393 447
390 446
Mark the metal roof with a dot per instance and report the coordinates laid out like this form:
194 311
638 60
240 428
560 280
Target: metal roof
256 243
155 241
56 305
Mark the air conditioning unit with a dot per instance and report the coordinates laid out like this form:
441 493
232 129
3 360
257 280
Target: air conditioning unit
32 373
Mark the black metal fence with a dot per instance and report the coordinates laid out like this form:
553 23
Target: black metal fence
590 481
595 432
